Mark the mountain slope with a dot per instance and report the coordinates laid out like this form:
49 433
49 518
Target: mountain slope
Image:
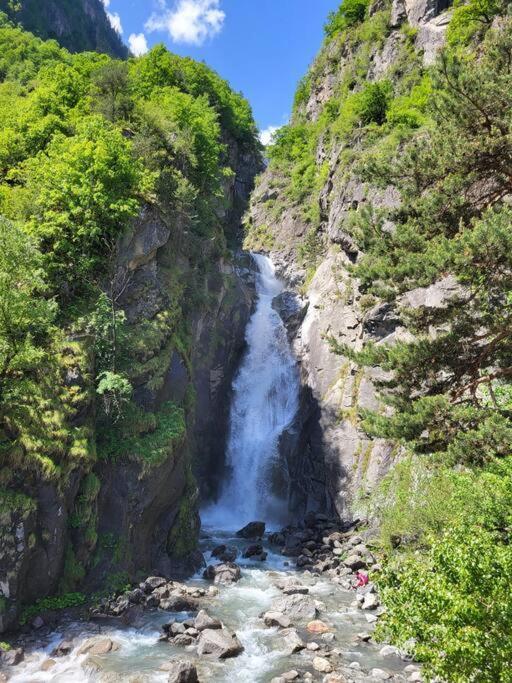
78 25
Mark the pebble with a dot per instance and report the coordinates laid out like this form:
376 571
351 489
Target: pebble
323 665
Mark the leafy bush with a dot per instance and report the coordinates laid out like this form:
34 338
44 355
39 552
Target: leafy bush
350 13
469 18
447 603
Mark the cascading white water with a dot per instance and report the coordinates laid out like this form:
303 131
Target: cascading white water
265 401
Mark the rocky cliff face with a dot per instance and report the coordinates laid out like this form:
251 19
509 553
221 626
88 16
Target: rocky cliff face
78 25
138 512
332 463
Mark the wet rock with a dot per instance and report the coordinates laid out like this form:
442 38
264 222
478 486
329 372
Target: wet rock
276 619
152 600
182 671
380 674
313 647
225 553
152 582
370 602
62 649
136 596
415 677
252 530
322 664
318 626
47 665
182 640
296 607
293 642
13 657
98 647
290 675
223 574
355 562
389 651
252 550
204 621
220 643
179 603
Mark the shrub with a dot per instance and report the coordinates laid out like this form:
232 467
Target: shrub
350 13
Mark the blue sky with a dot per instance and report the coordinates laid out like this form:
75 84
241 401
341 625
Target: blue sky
262 47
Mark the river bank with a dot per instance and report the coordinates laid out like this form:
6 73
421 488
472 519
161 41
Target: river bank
285 621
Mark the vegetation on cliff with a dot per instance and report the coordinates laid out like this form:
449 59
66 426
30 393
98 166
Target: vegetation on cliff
88 146
439 135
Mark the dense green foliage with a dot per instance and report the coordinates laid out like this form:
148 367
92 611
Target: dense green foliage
450 605
90 147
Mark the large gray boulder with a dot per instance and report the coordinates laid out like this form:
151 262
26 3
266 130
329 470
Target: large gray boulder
183 671
297 607
223 574
220 643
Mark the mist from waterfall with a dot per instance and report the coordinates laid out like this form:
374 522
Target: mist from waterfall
264 403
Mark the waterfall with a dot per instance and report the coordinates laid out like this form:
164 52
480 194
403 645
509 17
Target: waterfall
264 403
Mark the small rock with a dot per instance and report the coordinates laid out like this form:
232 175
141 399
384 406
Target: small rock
293 642
328 637
252 530
335 678
204 621
415 677
296 607
151 583
355 562
213 591
62 649
354 665
290 675
313 647
253 550
48 664
322 664
220 643
223 574
13 657
371 601
183 672
276 619
389 651
364 637
380 674
178 603
98 647
318 626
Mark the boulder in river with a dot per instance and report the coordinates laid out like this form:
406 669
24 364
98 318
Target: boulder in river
254 550
322 664
62 649
224 574
182 671
276 619
204 621
293 642
225 553
98 647
252 530
220 643
178 603
318 626
12 657
297 607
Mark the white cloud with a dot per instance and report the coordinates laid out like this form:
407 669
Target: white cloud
190 21
115 22
113 17
138 44
266 136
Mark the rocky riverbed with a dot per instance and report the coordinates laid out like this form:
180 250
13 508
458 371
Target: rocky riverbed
268 607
